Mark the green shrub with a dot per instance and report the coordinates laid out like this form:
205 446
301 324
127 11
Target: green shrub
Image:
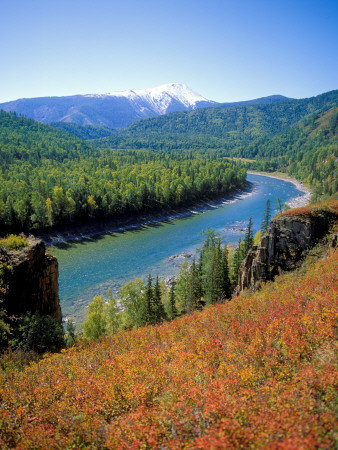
38 333
13 242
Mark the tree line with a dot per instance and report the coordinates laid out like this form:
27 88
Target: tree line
49 178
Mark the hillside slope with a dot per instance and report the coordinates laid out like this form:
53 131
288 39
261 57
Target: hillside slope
308 151
225 128
118 109
115 110
259 371
51 178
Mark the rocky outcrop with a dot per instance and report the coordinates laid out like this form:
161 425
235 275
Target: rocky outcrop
286 243
30 281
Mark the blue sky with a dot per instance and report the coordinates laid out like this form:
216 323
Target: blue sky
226 50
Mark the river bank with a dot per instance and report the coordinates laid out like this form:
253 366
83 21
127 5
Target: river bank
89 230
90 266
300 200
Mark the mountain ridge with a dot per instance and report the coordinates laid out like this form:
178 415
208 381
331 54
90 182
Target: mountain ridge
118 109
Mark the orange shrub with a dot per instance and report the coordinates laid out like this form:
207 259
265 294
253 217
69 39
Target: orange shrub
259 371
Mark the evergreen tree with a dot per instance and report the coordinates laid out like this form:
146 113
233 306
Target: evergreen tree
266 217
248 239
279 205
194 287
183 288
236 262
149 316
70 337
172 310
159 313
226 274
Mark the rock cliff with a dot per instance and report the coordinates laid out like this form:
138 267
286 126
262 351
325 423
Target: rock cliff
30 281
289 237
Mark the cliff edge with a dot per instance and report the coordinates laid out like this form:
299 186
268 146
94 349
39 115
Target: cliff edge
29 280
289 237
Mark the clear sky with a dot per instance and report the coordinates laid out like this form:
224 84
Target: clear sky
226 50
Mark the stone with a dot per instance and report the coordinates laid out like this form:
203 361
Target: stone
283 248
32 283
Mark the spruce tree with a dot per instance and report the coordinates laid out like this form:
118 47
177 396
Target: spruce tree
248 239
158 308
149 301
236 262
266 217
172 313
226 274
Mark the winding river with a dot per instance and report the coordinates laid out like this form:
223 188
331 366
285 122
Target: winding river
90 266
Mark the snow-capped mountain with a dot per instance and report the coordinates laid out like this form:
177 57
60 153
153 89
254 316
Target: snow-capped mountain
115 110
160 99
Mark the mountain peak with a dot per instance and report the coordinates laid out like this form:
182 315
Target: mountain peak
161 99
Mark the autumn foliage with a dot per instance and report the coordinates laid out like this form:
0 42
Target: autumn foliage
259 371
329 207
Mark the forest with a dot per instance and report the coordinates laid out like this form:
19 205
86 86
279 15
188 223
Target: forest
55 177
172 365
50 178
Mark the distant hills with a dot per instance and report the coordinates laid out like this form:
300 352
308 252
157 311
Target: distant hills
231 129
118 109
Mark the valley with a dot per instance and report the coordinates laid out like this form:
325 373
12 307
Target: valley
127 253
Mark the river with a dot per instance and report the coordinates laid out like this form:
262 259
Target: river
88 267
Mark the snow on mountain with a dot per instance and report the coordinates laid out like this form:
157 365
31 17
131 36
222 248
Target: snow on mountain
116 109
160 98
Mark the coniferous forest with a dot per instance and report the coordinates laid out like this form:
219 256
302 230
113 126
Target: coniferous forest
172 365
50 178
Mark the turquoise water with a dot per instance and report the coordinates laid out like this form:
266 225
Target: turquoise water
88 267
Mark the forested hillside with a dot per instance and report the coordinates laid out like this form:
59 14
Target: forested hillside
298 137
83 131
50 178
227 129
259 371
308 151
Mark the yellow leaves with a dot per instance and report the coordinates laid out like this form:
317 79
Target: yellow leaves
242 373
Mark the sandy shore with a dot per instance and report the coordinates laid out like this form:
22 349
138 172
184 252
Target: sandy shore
296 202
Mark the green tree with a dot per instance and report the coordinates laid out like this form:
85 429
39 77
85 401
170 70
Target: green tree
149 312
39 333
279 205
158 308
132 302
266 217
172 312
248 239
70 336
96 325
113 314
183 288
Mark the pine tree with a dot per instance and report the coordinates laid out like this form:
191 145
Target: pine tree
226 274
172 310
183 287
217 275
248 239
236 262
279 205
266 217
194 288
158 307
149 302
